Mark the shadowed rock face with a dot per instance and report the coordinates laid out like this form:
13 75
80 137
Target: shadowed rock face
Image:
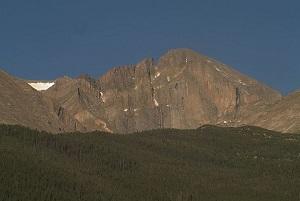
183 89
23 105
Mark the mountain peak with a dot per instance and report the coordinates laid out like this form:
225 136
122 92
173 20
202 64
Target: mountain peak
3 73
84 76
180 51
182 56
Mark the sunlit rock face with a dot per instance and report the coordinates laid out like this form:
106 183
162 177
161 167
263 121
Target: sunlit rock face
182 89
282 116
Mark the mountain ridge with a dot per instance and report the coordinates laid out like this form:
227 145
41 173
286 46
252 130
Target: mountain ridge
182 89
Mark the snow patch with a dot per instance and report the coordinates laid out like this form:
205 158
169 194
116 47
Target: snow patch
225 122
168 78
157 75
243 83
126 109
102 96
155 102
41 86
218 69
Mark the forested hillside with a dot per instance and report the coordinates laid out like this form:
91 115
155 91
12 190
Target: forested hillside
206 164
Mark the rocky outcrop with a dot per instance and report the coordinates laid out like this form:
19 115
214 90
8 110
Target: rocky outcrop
82 100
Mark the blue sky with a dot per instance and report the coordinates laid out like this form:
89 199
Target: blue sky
47 39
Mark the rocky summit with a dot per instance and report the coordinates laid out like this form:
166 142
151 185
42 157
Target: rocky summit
182 89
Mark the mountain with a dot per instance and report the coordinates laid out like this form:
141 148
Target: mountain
183 89
23 105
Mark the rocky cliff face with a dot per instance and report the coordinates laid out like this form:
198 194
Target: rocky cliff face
79 98
183 89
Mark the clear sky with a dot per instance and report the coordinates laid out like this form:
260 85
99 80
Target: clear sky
44 39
